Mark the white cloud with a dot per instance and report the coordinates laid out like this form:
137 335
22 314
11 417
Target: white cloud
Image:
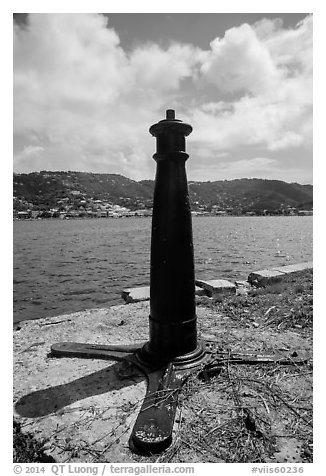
29 152
240 61
32 150
273 69
83 103
162 69
84 96
290 49
250 167
253 167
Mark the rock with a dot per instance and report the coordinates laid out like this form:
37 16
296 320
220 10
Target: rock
143 294
136 294
265 276
217 287
242 287
199 291
294 268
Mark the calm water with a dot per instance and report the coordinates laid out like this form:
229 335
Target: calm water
63 266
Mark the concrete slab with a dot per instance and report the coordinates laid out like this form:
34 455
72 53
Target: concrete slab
294 268
268 276
264 276
136 294
143 294
217 286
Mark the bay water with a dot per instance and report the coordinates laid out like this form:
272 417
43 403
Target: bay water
64 266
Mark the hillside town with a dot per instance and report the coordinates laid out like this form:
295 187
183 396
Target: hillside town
83 207
78 195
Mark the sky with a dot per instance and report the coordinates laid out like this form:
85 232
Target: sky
88 86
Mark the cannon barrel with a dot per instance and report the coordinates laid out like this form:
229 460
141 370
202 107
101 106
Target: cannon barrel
172 321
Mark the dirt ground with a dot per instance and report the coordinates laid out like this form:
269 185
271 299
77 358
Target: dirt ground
75 410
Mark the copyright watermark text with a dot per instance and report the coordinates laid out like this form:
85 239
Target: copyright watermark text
105 469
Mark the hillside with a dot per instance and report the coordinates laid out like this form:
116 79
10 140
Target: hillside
252 194
45 190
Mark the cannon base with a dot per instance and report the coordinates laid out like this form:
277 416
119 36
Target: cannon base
153 429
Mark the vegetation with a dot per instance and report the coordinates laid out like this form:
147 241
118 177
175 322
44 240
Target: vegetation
287 304
27 449
252 195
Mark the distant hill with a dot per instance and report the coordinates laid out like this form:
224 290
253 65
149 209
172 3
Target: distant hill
45 189
253 194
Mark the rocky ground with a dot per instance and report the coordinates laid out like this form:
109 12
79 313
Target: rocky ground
69 410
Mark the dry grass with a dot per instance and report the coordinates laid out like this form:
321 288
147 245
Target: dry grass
251 413
244 414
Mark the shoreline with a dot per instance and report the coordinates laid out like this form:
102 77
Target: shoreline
141 293
199 215
79 409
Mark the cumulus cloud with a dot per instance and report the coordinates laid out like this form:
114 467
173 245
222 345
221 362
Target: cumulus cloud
272 68
153 67
77 91
256 58
81 102
264 121
240 61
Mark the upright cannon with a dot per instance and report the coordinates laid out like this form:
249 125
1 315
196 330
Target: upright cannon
172 321
173 351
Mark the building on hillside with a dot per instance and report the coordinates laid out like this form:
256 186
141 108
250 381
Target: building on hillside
143 212
23 215
305 212
220 213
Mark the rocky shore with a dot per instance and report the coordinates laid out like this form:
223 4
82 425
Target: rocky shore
78 410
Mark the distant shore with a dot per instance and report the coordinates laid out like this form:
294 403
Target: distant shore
195 214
